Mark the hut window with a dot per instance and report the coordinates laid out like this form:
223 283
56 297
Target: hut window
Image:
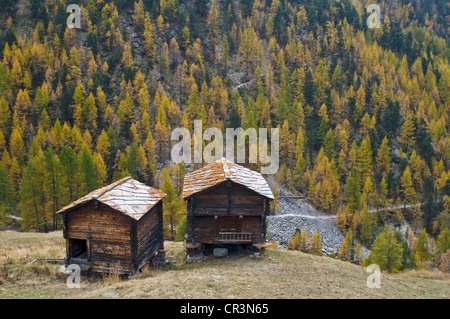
79 248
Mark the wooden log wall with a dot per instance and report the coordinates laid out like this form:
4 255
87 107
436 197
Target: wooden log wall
208 212
223 201
149 233
108 233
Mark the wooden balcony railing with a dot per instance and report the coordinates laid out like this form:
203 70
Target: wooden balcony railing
235 237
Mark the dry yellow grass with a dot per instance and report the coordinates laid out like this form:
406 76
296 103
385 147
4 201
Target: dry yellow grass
281 274
22 248
423 273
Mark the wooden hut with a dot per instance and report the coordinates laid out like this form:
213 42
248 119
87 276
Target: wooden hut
117 228
226 204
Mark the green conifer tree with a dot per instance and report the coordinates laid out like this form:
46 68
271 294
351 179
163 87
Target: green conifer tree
173 208
347 250
386 251
422 248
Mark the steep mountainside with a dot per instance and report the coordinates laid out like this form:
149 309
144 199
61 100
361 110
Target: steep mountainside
363 112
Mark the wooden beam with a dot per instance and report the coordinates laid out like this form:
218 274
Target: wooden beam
189 220
229 196
133 244
47 260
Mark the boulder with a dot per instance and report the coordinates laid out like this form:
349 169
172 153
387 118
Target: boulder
220 252
196 258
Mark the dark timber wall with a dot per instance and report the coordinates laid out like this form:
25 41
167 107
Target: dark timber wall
149 234
115 242
228 207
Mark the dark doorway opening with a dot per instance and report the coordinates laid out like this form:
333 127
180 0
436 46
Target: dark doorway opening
79 248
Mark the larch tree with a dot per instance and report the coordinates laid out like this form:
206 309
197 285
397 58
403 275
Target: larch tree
57 137
366 227
422 248
347 250
368 193
7 191
384 200
17 146
162 134
364 159
53 175
250 50
213 25
88 170
352 156
127 56
359 258
103 144
5 116
186 38
275 205
329 145
324 187
386 251
443 240
383 160
321 81
407 188
294 242
149 40
150 151
361 97
77 106
90 113
2 142
417 166
300 164
225 51
138 17
71 175
193 105
125 113
33 195
352 189
407 136
122 170
172 206
286 140
134 164
44 121
180 171
342 218
315 243
304 247
41 98
23 109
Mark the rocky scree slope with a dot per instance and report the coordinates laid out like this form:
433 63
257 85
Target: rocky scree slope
298 213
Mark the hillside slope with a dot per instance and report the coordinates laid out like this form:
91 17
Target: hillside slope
299 214
282 274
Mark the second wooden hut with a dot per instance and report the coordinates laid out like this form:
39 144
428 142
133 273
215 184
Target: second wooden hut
226 204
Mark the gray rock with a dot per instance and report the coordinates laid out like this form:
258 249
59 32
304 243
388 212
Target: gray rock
62 269
220 252
299 214
196 258
256 255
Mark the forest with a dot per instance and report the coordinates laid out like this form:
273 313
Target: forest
363 113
